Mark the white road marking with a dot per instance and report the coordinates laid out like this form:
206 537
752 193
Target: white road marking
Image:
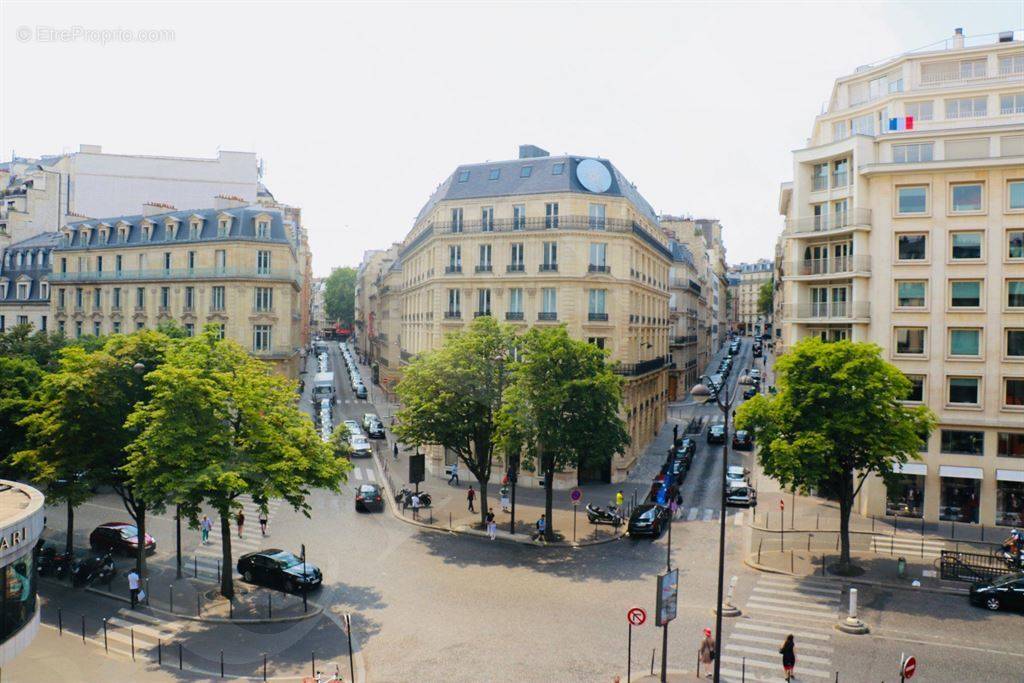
775 641
809 614
692 515
788 588
770 653
803 604
738 519
370 476
358 473
708 514
802 672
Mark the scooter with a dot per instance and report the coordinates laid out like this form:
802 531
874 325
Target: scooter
96 568
52 562
404 496
598 515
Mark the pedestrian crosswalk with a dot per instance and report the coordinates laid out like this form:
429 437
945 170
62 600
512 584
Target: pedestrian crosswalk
778 606
695 514
207 557
907 545
130 628
366 474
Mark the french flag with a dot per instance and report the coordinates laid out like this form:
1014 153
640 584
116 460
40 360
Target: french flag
901 123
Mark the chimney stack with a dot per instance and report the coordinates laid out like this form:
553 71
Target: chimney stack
155 209
958 38
226 201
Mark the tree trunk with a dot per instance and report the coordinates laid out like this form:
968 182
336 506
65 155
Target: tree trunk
483 501
227 586
549 476
140 553
845 508
69 544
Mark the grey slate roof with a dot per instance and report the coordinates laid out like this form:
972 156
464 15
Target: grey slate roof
681 253
243 226
36 273
541 180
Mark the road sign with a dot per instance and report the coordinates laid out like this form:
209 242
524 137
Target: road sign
576 494
668 592
782 504
909 667
636 616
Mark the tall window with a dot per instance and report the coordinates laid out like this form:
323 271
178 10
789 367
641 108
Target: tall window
485 257
217 301
221 329
454 258
515 301
165 297
191 260
222 227
550 256
261 337
598 257
516 257
549 301
264 299
456 220
819 179
118 262
454 303
487 219
190 298
140 298
263 229
167 260
483 302
596 303
193 230
597 213
220 260
551 215
263 263
97 295
78 297
519 217
99 264
115 298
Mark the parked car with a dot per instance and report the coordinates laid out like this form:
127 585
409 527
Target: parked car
741 494
679 467
368 418
755 374
368 497
279 568
750 392
716 433
360 390
353 428
376 430
1005 592
360 445
687 446
649 519
119 537
742 440
757 351
736 473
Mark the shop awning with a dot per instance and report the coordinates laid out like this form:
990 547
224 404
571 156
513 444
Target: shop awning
1010 475
918 468
954 472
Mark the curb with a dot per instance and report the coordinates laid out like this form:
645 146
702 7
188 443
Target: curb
214 620
860 582
463 531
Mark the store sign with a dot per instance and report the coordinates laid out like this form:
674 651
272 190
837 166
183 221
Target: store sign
13 539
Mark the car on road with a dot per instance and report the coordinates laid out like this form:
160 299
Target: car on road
368 418
279 568
360 446
119 537
742 440
360 390
649 519
687 447
1005 592
716 433
353 428
750 392
369 497
679 467
741 494
755 374
376 430
736 473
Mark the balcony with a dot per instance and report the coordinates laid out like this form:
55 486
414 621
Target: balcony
819 183
453 315
597 317
287 275
594 268
827 267
484 269
547 316
830 222
641 368
515 268
480 314
825 310
840 180
549 268
514 315
449 270
684 341
579 222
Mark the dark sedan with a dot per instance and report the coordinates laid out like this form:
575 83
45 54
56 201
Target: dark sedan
368 497
687 447
649 519
279 568
375 430
1006 592
742 440
119 537
716 433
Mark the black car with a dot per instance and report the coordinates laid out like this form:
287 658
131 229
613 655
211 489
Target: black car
649 519
750 392
742 440
716 433
280 568
1005 592
375 430
368 497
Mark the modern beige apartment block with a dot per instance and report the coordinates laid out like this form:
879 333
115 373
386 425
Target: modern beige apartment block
236 266
905 227
535 241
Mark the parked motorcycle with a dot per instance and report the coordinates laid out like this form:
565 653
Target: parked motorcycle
97 568
599 515
404 496
53 562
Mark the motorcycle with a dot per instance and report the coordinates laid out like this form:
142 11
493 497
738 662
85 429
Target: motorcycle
1012 556
404 496
53 562
598 515
97 568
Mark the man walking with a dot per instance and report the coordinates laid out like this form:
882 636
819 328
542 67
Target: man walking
492 526
675 434
415 506
205 527
240 521
470 496
394 450
263 519
454 474
541 528
133 586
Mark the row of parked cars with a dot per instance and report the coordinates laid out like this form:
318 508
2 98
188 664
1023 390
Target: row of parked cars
355 378
652 516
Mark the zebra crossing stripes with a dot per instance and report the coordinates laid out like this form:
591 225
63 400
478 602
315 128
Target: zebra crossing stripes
906 545
360 474
146 630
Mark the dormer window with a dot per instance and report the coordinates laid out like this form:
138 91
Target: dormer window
23 288
7 262
194 228
147 231
3 289
170 230
223 227
262 229
122 232
19 260
44 290
104 235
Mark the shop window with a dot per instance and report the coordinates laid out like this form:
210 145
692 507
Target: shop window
905 496
1010 503
958 500
19 595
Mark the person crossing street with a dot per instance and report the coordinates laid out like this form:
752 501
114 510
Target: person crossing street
470 497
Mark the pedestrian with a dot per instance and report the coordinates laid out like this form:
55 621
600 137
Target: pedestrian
133 586
542 526
240 521
204 527
673 507
454 474
492 526
415 506
470 496
394 450
675 433
707 653
504 499
788 657
619 498
263 522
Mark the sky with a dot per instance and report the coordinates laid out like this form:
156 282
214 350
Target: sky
359 110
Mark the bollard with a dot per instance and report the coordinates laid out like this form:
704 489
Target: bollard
449 521
264 666
83 629
759 550
195 567
823 565
170 598
922 546
743 671
179 657
892 540
105 648
809 537
952 528
222 663
270 608
131 632
791 571
853 604
160 651
197 604
982 533
218 570
852 624
147 591
312 663
652 661
60 622
231 608
922 524
872 524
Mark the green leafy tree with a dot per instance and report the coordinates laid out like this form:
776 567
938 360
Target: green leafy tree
765 298
340 295
341 447
837 418
563 406
451 397
19 379
219 425
21 342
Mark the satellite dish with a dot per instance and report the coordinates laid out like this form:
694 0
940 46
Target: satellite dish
593 175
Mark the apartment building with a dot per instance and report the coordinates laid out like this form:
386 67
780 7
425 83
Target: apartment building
689 334
236 266
537 240
745 282
24 282
905 227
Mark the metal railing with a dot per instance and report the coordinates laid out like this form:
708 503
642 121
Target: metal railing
452 315
685 340
480 314
641 368
514 315
484 268
819 183
515 268
547 316
597 317
448 270
578 222
177 274
829 266
824 310
830 221
595 268
548 268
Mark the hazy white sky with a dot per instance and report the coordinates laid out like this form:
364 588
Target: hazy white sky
360 110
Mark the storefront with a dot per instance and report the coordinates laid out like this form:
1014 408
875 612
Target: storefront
1010 497
959 493
21 524
905 497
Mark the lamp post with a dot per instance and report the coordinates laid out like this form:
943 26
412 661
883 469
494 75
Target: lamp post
724 402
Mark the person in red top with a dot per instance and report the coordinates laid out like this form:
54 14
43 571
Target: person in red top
470 496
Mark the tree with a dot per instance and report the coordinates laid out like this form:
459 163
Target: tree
41 347
837 418
219 425
340 295
765 298
451 397
563 406
19 379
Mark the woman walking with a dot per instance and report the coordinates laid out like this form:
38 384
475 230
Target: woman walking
788 657
707 652
240 521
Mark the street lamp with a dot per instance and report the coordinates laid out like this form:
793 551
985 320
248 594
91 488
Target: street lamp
702 394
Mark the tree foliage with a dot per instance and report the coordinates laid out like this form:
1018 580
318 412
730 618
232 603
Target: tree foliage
451 397
765 300
837 418
19 379
42 347
340 295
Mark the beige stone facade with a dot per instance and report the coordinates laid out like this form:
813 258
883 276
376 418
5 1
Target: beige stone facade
905 227
745 281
